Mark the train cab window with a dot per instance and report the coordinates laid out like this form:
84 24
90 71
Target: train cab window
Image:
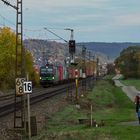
49 70
43 71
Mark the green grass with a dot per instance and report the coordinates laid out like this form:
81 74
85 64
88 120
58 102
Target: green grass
109 104
132 82
110 101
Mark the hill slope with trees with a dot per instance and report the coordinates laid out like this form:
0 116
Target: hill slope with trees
112 50
128 63
43 50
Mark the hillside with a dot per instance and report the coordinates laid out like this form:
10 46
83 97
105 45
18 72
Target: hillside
43 51
112 50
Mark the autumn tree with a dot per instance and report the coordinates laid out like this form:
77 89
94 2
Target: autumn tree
8 56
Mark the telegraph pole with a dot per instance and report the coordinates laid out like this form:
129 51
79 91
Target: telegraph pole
97 68
44 57
19 113
89 70
84 68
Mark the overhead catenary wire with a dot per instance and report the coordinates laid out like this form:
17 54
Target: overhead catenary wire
9 4
6 19
13 6
56 35
27 36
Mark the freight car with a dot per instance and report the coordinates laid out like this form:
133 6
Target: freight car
55 74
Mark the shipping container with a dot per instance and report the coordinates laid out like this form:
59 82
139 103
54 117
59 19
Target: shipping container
65 73
60 73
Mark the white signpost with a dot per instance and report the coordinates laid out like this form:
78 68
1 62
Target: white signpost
27 87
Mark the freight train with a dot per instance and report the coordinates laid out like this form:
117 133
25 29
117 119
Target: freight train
51 74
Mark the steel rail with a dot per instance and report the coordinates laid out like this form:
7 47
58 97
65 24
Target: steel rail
7 105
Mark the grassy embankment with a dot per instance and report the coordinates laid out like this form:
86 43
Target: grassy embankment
109 104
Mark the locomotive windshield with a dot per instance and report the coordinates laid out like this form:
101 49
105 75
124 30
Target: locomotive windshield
49 70
45 71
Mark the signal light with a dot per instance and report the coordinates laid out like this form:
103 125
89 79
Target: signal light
76 73
71 46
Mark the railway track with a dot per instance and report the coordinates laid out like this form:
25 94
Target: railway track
38 95
6 97
7 102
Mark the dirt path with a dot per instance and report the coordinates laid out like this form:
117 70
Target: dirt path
134 123
131 92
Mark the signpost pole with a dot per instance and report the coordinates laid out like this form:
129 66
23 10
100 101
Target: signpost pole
91 123
28 112
29 118
76 83
27 89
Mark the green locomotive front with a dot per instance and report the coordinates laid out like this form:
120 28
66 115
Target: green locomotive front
47 75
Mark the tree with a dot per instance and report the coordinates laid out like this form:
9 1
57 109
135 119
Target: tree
128 62
110 68
8 56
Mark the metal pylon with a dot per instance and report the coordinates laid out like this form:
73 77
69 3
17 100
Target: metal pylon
19 113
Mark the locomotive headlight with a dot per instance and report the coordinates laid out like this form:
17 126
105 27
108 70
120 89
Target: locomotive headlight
40 78
53 78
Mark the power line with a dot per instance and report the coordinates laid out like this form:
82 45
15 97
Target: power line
9 4
33 30
5 19
56 35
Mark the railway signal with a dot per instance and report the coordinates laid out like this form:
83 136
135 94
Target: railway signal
71 46
76 73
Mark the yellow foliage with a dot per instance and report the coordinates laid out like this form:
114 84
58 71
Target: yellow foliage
8 56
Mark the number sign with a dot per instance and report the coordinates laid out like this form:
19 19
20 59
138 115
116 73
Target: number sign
19 86
27 87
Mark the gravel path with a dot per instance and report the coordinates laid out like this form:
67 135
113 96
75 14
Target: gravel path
134 123
118 83
131 92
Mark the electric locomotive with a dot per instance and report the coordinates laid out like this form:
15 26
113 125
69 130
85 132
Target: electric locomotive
47 75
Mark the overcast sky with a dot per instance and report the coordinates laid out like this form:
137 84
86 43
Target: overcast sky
92 20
